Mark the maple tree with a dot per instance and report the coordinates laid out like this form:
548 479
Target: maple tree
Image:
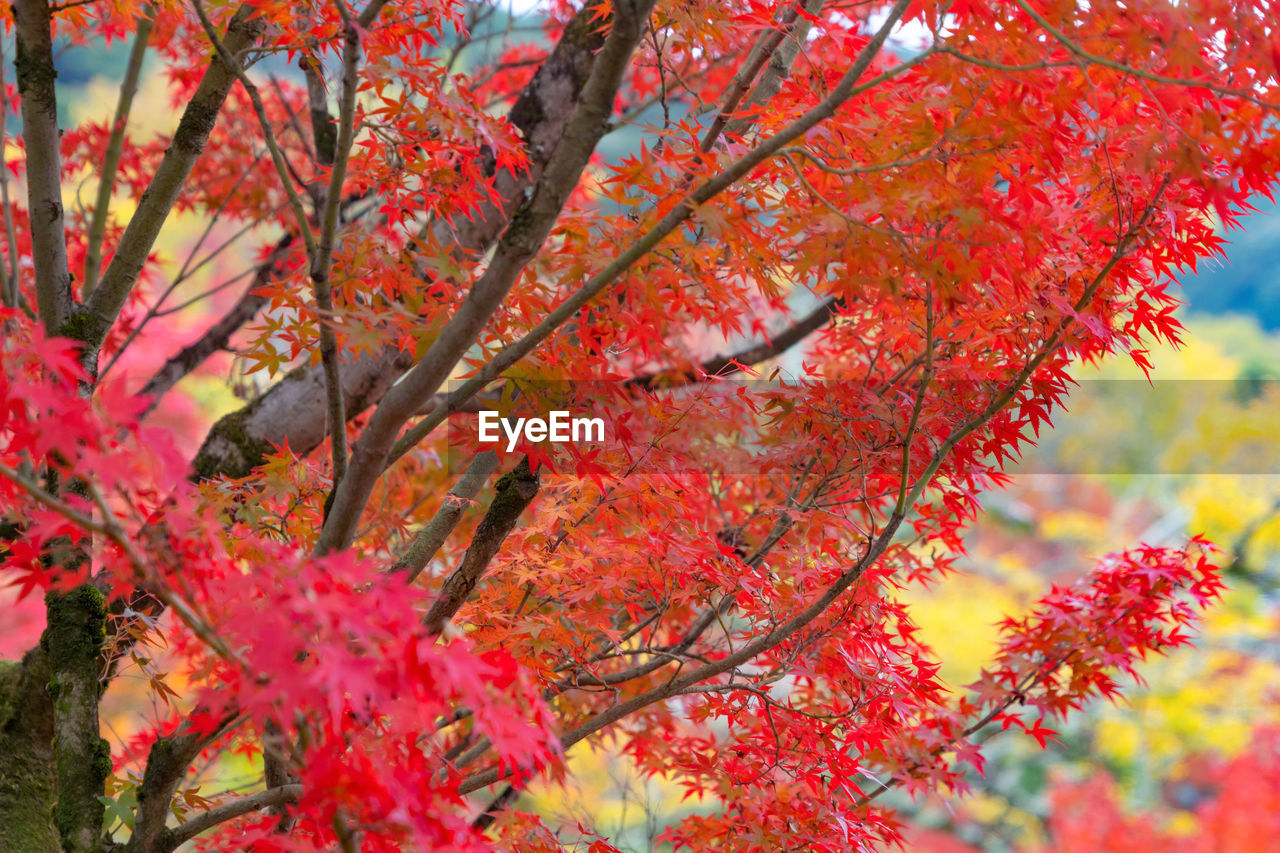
944 226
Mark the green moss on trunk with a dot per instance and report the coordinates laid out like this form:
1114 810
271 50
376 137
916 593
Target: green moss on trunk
73 643
27 788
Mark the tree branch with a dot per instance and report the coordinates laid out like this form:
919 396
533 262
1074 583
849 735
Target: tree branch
677 684
228 811
764 47
323 133
370 13
231 61
218 335
515 491
725 365
99 313
495 808
520 242
295 408
36 83
780 63
167 765
433 534
322 261
115 148
12 293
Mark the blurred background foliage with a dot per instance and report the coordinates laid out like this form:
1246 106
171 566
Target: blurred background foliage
1192 451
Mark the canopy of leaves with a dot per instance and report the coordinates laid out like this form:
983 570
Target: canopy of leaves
943 205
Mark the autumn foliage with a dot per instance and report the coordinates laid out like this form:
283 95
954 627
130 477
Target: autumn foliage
934 209
1237 810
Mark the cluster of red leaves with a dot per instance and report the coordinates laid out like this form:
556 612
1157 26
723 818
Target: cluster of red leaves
365 689
328 644
49 427
1148 598
825 769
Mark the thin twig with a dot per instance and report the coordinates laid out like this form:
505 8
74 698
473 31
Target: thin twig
1093 59
277 156
184 832
115 148
322 257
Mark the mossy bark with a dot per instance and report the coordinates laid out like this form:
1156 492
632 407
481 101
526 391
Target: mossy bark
27 785
73 643
230 449
292 411
167 764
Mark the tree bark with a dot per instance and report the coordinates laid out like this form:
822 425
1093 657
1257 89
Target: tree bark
27 787
294 409
37 83
91 323
73 643
515 491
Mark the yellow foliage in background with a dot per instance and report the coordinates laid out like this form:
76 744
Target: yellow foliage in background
1192 451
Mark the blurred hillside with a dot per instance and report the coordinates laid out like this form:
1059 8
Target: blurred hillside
1248 283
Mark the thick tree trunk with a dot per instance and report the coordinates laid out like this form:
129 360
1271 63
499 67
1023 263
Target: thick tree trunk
73 645
27 788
